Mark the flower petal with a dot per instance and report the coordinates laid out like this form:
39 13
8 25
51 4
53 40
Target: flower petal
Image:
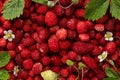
4 37
9 31
101 60
99 57
13 36
111 39
106 39
10 39
5 32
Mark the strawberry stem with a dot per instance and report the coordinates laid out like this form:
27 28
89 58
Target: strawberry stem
82 73
77 72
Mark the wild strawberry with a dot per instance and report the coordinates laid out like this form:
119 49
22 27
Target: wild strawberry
56 69
10 66
71 77
72 55
80 13
71 34
18 36
65 3
7 24
101 74
64 72
97 50
35 55
110 47
63 23
64 58
2 31
40 19
26 13
110 25
61 34
22 74
3 42
51 19
82 48
65 44
25 53
10 46
99 27
28 41
37 68
12 77
114 56
42 9
12 53
56 60
27 28
90 62
18 59
84 37
57 9
18 23
94 78
27 64
28 3
98 36
35 36
54 29
69 11
46 60
72 23
90 25
53 43
81 27
29 78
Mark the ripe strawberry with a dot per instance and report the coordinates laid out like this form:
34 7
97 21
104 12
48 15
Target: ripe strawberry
79 13
25 53
65 44
35 55
72 55
10 46
94 78
81 47
56 69
71 34
54 29
82 27
3 42
10 66
84 37
2 31
99 27
64 72
51 19
28 3
64 58
18 59
27 28
40 19
37 68
12 53
56 60
101 74
71 77
97 50
63 23
42 9
18 36
53 43
61 34
111 47
7 24
28 64
72 23
57 9
46 60
65 3
22 75
90 62
110 25
69 11
98 36
18 23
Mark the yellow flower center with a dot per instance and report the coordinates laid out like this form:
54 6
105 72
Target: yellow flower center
108 35
103 55
17 70
9 35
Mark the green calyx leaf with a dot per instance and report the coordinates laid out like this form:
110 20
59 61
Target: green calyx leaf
111 73
13 9
115 8
111 62
95 9
4 75
4 58
41 1
81 65
69 62
75 1
50 3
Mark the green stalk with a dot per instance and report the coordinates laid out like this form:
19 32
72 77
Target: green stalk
82 73
77 72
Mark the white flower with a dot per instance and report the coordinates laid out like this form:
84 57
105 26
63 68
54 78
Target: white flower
16 70
103 56
9 35
109 36
49 75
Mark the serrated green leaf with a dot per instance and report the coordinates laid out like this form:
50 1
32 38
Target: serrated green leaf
95 9
4 58
69 62
115 8
13 9
109 78
4 75
41 1
111 73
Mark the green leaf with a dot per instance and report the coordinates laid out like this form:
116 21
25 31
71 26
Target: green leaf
50 3
4 58
41 1
96 9
110 78
81 65
13 9
4 75
111 73
75 1
69 62
115 8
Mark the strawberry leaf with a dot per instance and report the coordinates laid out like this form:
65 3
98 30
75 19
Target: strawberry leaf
115 8
75 1
4 58
109 78
111 73
95 9
41 1
4 75
13 9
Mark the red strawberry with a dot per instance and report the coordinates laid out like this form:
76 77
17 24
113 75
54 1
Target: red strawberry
37 68
99 27
80 13
71 34
3 42
57 9
25 53
71 77
10 66
64 72
82 27
111 47
84 37
65 2
53 43
42 9
46 60
72 23
65 44
51 19
61 34
28 64
90 62
56 60
81 47
110 25
35 55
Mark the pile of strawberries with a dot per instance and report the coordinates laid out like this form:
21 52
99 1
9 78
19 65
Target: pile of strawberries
46 37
